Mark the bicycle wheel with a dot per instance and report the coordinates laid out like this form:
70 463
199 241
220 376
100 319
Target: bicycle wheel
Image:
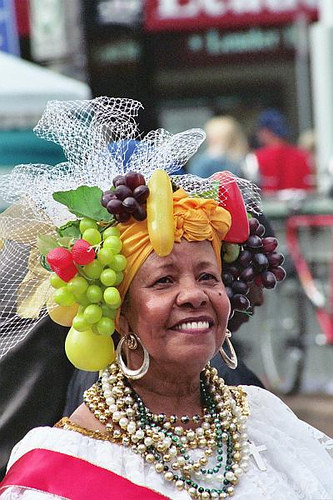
283 337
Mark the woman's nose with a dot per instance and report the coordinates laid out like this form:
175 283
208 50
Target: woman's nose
191 295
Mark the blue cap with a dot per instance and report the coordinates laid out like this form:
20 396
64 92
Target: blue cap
275 121
126 147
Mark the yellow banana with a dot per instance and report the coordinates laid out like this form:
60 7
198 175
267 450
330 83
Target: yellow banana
160 213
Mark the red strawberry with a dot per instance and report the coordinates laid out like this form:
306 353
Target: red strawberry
59 257
61 262
234 203
82 252
67 273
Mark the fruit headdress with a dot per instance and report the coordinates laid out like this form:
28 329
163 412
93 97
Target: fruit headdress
73 232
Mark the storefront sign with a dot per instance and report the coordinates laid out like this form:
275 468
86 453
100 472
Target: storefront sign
206 48
195 14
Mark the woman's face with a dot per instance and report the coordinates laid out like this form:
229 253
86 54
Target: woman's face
178 306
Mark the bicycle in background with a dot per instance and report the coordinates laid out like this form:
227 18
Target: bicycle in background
300 314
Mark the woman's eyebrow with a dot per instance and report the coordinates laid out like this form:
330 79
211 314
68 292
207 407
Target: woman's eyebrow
205 264
158 268
166 266
171 266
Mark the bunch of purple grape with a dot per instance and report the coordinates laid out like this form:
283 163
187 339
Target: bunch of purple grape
258 262
127 197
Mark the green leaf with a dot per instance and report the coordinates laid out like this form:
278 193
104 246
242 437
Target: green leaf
46 243
70 229
44 263
211 193
66 241
85 201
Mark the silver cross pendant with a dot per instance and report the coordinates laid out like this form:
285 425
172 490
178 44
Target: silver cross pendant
255 452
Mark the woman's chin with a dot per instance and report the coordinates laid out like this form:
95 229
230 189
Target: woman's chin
190 356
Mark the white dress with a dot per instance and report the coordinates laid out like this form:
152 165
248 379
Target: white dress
297 459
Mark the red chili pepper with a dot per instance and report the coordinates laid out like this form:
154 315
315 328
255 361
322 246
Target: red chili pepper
232 200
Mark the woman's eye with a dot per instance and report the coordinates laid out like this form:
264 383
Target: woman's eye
207 277
163 280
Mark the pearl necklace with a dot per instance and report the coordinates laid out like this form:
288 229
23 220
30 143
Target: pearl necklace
168 422
169 447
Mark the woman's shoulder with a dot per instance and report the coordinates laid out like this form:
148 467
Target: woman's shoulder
262 400
49 438
83 417
77 438
270 414
264 404
260 395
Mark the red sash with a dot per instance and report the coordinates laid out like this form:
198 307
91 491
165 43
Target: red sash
72 478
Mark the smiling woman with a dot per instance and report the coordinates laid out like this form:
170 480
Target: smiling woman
159 422
179 308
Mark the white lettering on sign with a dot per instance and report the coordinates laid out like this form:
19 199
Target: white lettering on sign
281 5
311 4
168 9
174 9
252 40
215 7
214 43
252 6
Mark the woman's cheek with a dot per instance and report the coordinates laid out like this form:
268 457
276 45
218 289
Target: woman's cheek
223 300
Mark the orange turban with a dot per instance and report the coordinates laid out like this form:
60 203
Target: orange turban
196 219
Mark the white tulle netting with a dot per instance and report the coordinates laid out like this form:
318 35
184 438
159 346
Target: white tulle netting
100 140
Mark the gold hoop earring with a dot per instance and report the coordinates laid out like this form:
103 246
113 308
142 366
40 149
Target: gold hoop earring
231 362
132 343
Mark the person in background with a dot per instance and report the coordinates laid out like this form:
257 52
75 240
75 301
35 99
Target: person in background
226 148
280 165
307 142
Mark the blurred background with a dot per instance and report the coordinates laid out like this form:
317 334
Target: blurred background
267 65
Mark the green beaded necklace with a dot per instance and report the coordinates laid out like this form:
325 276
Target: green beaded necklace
148 420
167 446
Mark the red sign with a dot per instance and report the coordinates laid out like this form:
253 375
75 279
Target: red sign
161 15
22 16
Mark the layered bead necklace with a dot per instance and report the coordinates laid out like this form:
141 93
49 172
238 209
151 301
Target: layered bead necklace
215 450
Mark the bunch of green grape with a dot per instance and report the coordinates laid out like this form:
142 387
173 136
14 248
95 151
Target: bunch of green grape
94 287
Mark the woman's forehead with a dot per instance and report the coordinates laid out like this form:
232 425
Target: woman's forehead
194 252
